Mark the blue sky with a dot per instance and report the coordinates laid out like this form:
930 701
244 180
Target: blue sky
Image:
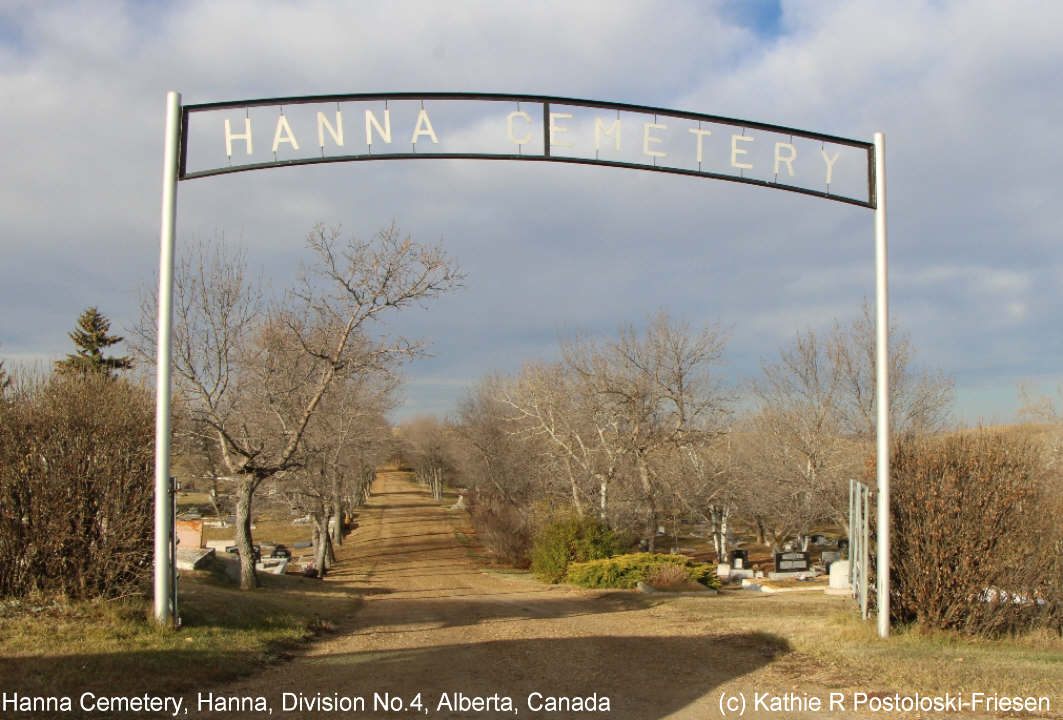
966 93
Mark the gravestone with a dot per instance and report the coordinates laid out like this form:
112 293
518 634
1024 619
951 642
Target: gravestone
819 539
792 561
189 533
839 578
739 559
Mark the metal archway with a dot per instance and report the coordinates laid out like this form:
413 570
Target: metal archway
565 130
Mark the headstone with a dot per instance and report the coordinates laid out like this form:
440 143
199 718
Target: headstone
843 544
739 559
193 558
460 504
819 539
792 561
839 578
190 533
723 570
274 566
829 557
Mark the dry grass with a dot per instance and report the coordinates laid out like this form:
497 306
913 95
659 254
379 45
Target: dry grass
266 531
60 648
832 647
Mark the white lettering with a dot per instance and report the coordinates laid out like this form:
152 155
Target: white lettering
555 128
600 129
423 127
830 162
702 134
229 137
509 127
335 132
736 151
371 122
282 125
837 701
788 159
647 139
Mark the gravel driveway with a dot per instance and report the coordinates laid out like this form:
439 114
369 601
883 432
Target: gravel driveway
437 636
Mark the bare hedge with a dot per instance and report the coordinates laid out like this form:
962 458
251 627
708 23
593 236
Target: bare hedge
975 536
504 530
76 489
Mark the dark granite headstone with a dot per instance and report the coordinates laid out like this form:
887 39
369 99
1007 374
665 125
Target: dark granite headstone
792 561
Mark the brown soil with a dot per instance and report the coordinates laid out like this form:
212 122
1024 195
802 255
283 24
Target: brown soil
433 622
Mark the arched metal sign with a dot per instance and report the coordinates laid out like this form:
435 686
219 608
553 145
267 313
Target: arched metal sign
227 137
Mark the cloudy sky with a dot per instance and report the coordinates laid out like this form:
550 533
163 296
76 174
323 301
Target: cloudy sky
967 93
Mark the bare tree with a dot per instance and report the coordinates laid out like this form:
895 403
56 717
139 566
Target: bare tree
815 422
428 445
550 402
1046 411
658 389
920 400
256 377
346 442
800 428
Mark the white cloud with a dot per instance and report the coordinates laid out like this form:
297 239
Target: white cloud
965 91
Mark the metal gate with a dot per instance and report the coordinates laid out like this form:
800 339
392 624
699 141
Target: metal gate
859 531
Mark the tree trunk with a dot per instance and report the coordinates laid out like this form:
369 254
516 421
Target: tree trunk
245 493
340 515
647 489
214 498
437 483
718 516
338 505
322 542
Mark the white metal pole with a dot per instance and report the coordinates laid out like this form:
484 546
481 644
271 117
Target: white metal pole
882 389
163 508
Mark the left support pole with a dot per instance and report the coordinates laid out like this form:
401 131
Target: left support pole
164 581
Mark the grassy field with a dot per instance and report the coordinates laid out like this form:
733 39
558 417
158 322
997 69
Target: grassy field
114 646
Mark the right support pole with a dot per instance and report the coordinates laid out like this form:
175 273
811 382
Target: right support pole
882 399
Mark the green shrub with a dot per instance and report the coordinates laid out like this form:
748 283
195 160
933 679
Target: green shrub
626 571
570 539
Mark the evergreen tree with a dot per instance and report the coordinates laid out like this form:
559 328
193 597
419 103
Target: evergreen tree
91 338
5 379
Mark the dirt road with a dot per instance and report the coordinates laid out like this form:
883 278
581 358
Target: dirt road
438 637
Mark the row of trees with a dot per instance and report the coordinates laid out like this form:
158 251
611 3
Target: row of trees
294 389
640 431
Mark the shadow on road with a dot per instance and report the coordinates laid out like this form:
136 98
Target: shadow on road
642 677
